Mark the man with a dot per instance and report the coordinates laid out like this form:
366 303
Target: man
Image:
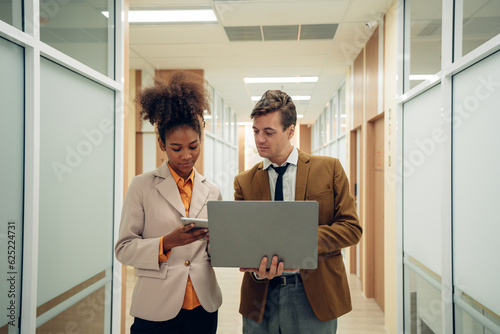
293 301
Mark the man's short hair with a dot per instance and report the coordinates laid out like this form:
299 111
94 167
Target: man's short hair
276 100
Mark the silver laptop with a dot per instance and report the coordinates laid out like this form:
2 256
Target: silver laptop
242 232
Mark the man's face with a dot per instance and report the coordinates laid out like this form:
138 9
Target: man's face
271 141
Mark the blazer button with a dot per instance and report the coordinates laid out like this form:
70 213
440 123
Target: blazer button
187 263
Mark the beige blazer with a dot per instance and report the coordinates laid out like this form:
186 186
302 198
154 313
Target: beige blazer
319 179
153 208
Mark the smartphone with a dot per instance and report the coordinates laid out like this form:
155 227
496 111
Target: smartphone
199 222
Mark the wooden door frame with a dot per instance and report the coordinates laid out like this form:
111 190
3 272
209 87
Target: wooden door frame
369 226
354 187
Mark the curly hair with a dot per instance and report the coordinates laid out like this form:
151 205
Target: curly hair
276 100
179 101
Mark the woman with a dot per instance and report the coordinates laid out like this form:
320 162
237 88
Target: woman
176 289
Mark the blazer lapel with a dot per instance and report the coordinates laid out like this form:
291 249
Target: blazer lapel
302 175
199 196
168 189
262 182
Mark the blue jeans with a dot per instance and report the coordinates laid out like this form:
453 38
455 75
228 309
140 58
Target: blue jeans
288 311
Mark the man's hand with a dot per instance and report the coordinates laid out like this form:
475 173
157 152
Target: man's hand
183 235
276 269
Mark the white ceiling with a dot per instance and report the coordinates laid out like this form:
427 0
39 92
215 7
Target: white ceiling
207 47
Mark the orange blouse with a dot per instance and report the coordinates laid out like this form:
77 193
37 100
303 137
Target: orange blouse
185 190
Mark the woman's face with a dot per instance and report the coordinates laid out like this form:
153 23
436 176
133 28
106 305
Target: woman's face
182 146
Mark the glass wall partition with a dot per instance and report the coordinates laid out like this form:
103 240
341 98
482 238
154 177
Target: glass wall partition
11 12
221 147
12 183
479 24
209 117
448 167
422 198
60 188
342 111
218 115
76 202
475 222
81 29
328 122
334 111
328 133
423 48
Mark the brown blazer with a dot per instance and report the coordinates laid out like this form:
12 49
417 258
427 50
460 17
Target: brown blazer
153 208
319 179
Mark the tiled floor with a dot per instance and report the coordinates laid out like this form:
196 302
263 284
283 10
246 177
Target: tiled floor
366 317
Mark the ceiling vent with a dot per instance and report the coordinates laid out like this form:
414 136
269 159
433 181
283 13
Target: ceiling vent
281 33
318 31
245 34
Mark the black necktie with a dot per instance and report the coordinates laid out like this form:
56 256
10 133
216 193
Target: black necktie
278 190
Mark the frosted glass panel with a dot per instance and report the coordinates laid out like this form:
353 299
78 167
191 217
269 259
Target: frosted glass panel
343 111
11 181
76 181
224 176
476 164
208 154
208 117
335 150
423 178
328 123
218 164
343 151
334 111
217 115
226 124
149 143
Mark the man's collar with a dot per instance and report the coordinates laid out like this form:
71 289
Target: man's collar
293 158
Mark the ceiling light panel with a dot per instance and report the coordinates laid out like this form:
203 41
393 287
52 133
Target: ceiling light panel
281 79
172 16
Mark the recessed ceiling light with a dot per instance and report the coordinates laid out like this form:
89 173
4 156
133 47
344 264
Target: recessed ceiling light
295 98
280 79
170 16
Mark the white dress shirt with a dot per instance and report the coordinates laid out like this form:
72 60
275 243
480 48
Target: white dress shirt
288 178
288 182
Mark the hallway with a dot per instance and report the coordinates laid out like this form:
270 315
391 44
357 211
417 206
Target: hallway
366 316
